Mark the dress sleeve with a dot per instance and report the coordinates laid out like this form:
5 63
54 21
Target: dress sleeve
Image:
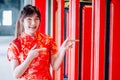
12 53
54 48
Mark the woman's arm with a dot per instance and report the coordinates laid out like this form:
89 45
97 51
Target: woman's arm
56 60
18 70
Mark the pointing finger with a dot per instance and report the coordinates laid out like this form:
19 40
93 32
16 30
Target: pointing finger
74 40
34 46
41 49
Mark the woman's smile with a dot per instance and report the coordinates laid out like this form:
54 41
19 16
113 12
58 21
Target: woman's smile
32 27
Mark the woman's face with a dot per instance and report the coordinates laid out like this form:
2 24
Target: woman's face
31 24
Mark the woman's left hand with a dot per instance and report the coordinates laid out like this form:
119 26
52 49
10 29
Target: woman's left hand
68 43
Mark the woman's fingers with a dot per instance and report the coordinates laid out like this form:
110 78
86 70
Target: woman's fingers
38 49
34 47
70 43
74 40
66 41
41 49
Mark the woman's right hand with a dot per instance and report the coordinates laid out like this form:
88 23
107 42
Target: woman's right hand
34 52
19 69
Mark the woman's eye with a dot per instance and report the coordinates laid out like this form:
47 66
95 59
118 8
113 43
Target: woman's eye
37 19
29 19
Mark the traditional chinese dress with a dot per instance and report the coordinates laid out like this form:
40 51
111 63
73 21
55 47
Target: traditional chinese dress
39 67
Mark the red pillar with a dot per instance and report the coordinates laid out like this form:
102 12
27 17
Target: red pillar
54 22
41 4
99 23
54 8
86 43
114 64
74 34
59 75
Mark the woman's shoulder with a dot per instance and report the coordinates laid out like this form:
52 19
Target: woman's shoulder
43 35
16 41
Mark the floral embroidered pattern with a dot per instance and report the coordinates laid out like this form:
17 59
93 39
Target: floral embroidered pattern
39 67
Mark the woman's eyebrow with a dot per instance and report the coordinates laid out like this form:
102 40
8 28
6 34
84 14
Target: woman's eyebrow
37 16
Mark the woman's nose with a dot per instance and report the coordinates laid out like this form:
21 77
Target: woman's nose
33 22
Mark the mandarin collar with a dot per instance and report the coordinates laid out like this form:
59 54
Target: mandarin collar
28 36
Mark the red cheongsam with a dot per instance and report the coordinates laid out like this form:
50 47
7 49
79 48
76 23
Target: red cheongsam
39 67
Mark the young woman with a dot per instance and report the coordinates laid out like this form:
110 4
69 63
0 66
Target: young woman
31 53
